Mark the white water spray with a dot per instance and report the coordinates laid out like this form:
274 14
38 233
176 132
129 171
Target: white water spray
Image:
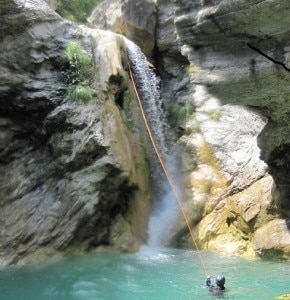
166 209
162 221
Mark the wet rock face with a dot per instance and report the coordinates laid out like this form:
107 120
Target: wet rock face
69 177
136 19
232 63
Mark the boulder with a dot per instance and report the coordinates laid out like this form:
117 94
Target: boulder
277 243
232 225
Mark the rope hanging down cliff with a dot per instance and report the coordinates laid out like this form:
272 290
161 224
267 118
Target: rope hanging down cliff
166 172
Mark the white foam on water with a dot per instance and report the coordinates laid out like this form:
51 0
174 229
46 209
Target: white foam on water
85 290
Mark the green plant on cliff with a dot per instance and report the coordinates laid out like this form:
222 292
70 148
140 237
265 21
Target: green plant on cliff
77 63
76 10
77 72
80 93
179 112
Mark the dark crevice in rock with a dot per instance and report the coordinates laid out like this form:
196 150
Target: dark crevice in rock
119 99
280 169
117 85
268 57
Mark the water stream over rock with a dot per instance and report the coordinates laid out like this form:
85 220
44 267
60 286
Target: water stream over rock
165 210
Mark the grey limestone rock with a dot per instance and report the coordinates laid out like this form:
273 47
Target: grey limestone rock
236 56
69 177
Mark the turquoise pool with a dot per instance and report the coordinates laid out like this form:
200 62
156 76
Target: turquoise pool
151 274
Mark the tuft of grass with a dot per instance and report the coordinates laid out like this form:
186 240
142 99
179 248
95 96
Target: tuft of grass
80 93
78 63
77 71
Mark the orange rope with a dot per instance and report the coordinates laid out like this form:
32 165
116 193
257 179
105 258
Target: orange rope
169 178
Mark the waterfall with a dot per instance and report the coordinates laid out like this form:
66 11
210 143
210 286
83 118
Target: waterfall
165 210
148 88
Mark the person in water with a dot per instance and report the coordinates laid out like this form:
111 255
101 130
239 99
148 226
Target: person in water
219 288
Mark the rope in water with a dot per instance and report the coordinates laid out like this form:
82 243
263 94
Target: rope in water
166 172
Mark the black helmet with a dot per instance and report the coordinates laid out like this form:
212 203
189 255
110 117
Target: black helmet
220 280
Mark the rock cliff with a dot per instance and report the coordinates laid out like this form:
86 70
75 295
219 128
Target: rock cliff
73 175
231 60
227 64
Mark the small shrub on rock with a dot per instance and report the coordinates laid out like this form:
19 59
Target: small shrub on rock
77 63
80 93
77 72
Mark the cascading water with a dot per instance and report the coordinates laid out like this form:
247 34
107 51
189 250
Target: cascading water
165 210
148 88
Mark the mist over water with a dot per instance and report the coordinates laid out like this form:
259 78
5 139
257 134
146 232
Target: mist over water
162 221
